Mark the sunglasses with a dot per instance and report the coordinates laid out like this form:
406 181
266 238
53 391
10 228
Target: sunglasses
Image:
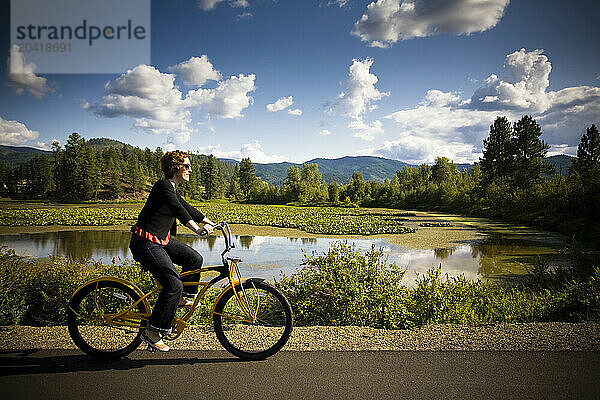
187 166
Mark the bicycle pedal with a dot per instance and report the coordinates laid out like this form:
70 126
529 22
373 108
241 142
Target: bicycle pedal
151 349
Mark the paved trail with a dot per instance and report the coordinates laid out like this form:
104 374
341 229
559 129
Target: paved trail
67 374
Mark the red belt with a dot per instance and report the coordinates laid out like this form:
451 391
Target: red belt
139 231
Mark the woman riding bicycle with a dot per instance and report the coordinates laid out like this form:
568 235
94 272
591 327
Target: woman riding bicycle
154 248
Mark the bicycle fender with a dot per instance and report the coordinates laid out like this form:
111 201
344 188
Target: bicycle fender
228 288
115 279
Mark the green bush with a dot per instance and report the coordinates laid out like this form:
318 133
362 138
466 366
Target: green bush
12 276
346 287
33 293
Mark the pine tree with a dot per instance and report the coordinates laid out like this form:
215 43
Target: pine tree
134 173
588 152
112 173
444 171
529 151
291 184
234 190
497 161
584 175
195 184
248 178
73 171
5 173
357 188
58 172
212 178
94 170
158 154
310 183
38 176
334 192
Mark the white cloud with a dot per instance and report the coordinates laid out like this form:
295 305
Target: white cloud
15 133
438 127
196 71
146 94
563 148
239 3
211 4
357 98
418 149
443 124
324 132
208 4
169 147
209 149
21 76
46 146
158 106
281 104
228 99
572 110
364 130
177 130
249 150
524 89
295 111
388 21
360 88
244 16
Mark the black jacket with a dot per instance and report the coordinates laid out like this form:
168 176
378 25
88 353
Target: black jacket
164 204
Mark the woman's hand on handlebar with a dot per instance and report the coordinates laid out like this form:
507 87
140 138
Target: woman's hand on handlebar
208 228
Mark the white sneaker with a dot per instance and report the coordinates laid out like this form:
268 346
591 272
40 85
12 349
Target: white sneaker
156 345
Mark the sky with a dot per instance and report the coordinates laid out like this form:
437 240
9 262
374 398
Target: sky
292 80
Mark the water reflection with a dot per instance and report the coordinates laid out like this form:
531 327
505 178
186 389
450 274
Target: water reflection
268 257
245 241
442 254
78 245
304 241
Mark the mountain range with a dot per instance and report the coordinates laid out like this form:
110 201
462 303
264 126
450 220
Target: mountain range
333 170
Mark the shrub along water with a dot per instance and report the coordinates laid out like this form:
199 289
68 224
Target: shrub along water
341 287
346 287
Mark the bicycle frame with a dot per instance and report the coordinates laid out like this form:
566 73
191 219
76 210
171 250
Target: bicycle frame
228 270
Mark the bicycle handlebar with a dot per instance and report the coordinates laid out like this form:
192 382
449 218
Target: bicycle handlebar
223 227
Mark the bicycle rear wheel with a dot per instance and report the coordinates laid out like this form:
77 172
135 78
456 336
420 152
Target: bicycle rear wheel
92 332
272 324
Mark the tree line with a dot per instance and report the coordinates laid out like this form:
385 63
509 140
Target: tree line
81 172
511 182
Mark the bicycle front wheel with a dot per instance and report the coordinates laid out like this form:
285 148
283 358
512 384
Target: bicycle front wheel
102 320
255 325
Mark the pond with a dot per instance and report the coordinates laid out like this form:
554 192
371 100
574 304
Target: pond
268 257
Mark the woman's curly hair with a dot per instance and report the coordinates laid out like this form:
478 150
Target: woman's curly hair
171 162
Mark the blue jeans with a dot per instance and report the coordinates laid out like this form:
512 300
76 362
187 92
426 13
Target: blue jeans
159 259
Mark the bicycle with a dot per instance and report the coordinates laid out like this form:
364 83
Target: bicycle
252 319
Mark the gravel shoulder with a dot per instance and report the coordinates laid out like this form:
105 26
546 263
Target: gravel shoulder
553 336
